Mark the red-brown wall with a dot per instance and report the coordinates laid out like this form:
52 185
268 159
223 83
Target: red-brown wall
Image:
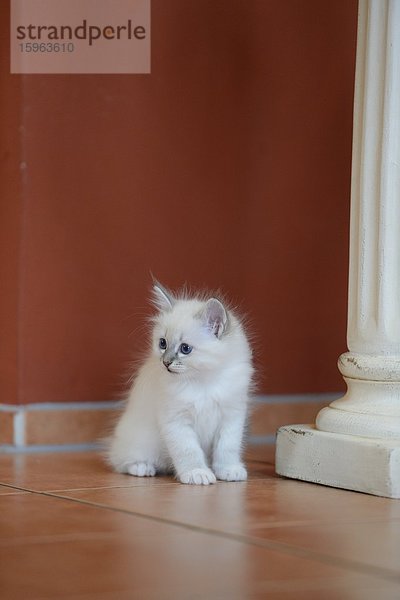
228 166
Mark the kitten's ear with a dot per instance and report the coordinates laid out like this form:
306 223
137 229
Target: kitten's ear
161 298
215 317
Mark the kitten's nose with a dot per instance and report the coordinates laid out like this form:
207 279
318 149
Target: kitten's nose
168 361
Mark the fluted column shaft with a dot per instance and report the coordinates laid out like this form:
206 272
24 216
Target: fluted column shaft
371 368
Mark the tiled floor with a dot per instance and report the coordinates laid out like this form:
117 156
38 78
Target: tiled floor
71 529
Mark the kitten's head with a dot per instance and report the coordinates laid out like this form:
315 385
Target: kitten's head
189 335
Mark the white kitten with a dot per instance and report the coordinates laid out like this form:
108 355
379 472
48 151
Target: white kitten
187 407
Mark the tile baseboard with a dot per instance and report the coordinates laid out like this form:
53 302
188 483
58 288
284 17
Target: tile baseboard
56 426
82 425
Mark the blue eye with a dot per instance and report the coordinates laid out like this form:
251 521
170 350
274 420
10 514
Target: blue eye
185 348
163 344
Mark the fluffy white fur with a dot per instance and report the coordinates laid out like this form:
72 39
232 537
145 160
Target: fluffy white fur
186 412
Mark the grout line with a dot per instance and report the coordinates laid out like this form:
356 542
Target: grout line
9 449
19 430
108 487
257 440
89 446
116 404
274 546
297 398
57 406
18 487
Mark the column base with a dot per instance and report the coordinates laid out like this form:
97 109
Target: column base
350 462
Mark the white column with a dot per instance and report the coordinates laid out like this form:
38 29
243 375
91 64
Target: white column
364 425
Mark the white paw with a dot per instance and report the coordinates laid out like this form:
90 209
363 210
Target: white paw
231 472
142 469
198 477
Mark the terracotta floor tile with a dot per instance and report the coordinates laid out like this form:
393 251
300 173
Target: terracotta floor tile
371 590
268 537
264 501
80 470
69 470
174 566
29 518
63 549
375 543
